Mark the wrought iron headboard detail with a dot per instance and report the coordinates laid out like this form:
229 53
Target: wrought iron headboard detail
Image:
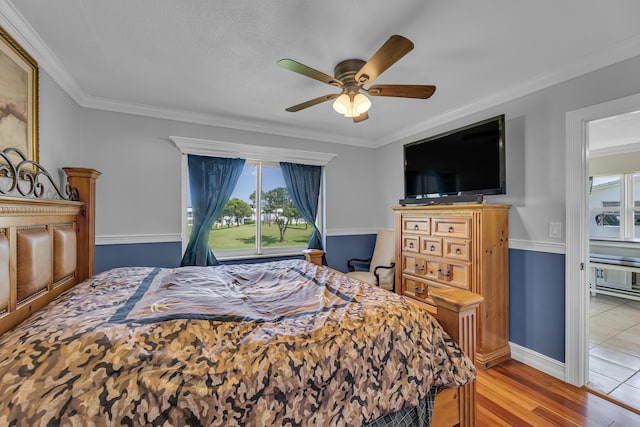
28 178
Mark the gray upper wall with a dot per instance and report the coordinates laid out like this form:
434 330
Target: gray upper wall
139 191
535 148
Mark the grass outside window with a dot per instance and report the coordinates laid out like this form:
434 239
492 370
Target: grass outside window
244 236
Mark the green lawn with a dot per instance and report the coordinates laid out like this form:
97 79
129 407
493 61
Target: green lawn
244 237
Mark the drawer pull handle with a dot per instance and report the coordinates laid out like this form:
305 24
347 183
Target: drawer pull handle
458 251
415 227
445 273
411 244
450 229
432 248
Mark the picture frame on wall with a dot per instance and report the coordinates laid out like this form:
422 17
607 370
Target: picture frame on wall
18 98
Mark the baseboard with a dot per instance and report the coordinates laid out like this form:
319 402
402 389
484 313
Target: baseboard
539 361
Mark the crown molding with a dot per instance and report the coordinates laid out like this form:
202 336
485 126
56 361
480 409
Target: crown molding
116 106
26 36
588 64
21 30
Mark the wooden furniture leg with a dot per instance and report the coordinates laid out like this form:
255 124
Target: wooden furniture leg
313 256
84 180
457 314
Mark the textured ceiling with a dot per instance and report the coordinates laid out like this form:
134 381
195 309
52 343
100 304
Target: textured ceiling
214 62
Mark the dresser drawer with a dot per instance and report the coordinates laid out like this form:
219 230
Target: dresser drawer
458 275
431 245
413 287
432 269
457 249
410 243
413 265
452 227
420 266
419 289
416 225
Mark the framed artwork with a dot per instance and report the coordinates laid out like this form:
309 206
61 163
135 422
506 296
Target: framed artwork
18 98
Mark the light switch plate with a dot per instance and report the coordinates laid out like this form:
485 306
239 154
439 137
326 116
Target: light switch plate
555 230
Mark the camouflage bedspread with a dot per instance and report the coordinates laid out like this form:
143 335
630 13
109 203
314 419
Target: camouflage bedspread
283 343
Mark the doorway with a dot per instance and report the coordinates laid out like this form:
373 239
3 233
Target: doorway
577 243
614 271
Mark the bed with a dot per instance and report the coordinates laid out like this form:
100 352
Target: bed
286 343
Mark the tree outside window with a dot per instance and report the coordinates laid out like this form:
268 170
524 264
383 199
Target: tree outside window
273 216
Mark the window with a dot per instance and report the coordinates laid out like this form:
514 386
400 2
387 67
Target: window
614 204
279 224
260 204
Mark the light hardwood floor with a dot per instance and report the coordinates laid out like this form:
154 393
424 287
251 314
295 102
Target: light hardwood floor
514 394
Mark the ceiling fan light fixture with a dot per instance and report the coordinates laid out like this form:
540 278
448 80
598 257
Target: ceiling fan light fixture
342 104
350 105
361 104
351 75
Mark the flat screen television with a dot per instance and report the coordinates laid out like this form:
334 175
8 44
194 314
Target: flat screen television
462 165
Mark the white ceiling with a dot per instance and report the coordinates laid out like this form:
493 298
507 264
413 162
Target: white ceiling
214 62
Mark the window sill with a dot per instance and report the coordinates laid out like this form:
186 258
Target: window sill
259 256
617 243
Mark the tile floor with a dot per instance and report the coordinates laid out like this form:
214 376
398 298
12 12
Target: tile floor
614 348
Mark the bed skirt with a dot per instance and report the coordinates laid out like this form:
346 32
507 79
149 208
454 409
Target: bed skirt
416 416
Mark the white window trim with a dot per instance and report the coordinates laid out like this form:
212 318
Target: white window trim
213 148
626 210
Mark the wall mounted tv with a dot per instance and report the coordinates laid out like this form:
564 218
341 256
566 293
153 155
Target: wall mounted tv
462 165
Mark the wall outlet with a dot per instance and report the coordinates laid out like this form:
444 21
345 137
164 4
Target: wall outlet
555 230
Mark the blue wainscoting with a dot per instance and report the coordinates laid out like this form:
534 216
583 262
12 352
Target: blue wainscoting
536 283
259 260
340 249
537 301
167 254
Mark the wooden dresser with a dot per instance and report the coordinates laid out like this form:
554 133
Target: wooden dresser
462 247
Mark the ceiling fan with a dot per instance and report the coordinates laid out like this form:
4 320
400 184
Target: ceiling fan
352 74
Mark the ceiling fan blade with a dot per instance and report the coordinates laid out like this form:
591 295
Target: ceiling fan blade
361 118
312 102
290 64
402 91
390 52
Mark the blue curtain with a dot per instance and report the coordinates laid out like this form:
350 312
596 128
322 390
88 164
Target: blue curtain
303 183
211 180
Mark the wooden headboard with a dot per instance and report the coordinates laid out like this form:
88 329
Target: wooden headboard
46 245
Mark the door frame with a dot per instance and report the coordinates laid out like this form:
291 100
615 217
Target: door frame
577 232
